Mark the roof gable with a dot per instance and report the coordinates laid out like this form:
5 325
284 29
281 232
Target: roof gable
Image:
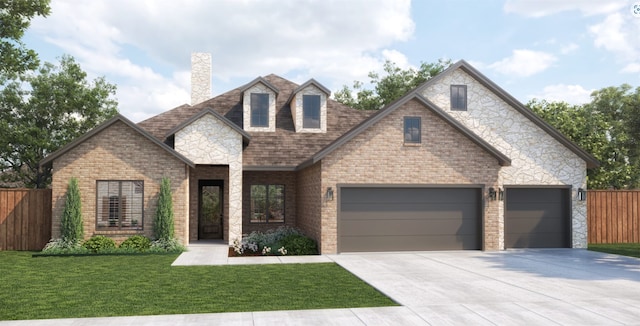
51 157
245 136
503 160
262 81
591 161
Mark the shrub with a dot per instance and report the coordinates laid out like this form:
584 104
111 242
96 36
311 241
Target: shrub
100 244
163 224
71 222
281 241
62 246
136 243
270 237
297 244
166 245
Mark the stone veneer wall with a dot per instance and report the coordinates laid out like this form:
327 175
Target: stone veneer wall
309 202
208 141
200 77
297 110
537 158
288 179
246 108
120 153
378 156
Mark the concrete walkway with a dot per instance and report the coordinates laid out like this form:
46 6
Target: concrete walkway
516 287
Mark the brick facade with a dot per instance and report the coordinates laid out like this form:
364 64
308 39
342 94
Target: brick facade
106 157
288 179
379 156
310 201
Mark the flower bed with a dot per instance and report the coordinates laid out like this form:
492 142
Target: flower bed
278 242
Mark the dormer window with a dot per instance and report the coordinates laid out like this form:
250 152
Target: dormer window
311 111
259 106
259 110
308 105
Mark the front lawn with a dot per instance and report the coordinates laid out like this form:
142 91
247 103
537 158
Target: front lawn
100 286
626 249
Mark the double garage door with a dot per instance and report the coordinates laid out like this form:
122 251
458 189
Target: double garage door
399 219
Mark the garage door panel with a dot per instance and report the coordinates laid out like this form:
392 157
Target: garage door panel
553 225
383 219
410 227
537 218
407 195
378 214
401 243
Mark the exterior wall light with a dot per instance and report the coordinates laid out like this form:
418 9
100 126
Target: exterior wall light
328 196
500 194
582 194
492 193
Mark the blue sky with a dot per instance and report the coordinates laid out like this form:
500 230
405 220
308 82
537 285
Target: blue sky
546 49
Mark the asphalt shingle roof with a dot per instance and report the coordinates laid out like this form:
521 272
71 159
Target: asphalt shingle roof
283 148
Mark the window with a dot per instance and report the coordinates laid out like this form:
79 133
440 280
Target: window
267 203
311 111
412 130
119 205
459 97
259 110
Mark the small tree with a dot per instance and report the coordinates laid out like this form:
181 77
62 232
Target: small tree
163 223
72 229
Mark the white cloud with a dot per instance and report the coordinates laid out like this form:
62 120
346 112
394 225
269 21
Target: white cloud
618 33
124 39
572 94
541 8
631 68
524 63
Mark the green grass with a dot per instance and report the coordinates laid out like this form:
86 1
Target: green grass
626 249
100 286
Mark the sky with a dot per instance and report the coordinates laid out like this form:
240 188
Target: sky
543 49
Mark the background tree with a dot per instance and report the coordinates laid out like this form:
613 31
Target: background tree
163 227
71 223
42 112
608 127
15 18
394 84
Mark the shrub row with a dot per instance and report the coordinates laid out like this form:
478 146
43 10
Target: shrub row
100 244
281 241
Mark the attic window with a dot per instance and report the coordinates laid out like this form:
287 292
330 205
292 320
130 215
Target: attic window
311 111
259 110
459 97
412 130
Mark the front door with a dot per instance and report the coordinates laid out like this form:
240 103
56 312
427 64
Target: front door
210 209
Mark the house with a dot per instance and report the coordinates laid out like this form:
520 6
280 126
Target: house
457 163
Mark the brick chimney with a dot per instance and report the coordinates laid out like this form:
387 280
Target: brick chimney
200 77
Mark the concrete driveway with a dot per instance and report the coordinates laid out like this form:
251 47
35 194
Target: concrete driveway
515 287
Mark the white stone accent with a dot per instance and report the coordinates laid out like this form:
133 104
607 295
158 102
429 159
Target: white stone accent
200 77
211 141
536 157
246 107
297 110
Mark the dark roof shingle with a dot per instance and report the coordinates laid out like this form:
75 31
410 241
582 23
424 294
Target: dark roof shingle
283 148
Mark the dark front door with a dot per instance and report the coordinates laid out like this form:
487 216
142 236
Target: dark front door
210 209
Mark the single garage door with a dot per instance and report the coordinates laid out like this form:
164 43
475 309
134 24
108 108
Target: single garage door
396 219
537 218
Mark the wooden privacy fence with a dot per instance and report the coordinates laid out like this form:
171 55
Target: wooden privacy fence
613 216
25 218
